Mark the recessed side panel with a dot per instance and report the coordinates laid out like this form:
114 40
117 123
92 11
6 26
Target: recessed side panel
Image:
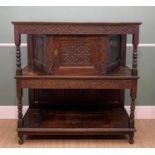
38 51
114 52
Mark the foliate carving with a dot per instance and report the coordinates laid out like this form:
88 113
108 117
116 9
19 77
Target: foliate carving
54 28
75 55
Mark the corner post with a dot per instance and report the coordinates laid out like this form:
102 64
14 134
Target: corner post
18 86
135 41
133 94
18 53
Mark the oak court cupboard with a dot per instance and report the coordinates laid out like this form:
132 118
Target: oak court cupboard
76 77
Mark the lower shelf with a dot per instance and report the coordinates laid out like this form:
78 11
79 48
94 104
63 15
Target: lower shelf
70 122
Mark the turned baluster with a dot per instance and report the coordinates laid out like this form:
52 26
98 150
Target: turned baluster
135 41
133 91
18 54
20 113
133 94
19 89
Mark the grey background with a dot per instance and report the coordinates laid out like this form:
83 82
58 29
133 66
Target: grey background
146 61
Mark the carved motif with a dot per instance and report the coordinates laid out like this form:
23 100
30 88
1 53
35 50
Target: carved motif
76 28
75 55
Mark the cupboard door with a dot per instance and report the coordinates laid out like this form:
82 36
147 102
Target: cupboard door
76 55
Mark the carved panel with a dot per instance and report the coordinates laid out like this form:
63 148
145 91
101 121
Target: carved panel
72 52
69 28
76 51
75 55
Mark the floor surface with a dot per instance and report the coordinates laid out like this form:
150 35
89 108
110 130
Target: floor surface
144 137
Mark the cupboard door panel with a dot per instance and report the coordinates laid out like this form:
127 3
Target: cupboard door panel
77 54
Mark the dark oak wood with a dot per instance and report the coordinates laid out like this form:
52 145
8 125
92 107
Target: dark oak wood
76 77
90 118
76 122
75 28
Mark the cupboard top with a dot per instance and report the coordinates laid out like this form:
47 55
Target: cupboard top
78 23
67 28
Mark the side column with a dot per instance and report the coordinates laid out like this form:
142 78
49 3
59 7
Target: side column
18 87
133 94
133 91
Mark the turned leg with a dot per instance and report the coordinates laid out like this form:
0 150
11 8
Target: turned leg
18 86
133 93
20 113
131 137
20 138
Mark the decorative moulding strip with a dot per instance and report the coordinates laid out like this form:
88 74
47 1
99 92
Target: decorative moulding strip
25 45
141 112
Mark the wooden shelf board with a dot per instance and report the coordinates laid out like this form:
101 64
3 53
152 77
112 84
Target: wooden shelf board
76 121
119 73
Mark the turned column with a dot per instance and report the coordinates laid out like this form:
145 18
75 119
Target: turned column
135 41
133 94
20 113
19 89
133 91
18 53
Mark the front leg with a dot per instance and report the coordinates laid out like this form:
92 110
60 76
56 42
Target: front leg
20 111
20 138
133 94
131 137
